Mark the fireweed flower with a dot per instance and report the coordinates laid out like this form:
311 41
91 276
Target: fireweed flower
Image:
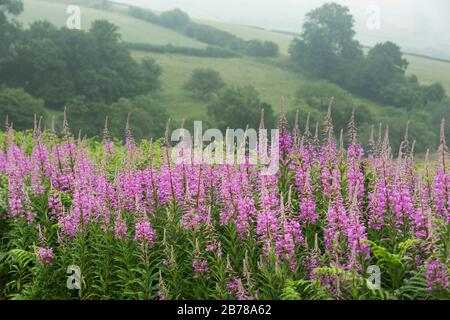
69 223
55 205
286 241
267 222
441 192
200 268
338 194
145 233
40 168
120 230
235 288
45 255
436 274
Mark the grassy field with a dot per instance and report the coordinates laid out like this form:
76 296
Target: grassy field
430 71
271 82
138 31
248 33
132 30
427 70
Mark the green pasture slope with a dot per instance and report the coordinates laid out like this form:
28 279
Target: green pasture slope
270 80
427 70
132 30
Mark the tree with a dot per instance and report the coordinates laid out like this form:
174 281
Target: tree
258 48
38 65
204 82
174 18
151 71
237 107
406 94
60 64
147 118
435 92
14 7
384 65
20 108
327 40
315 97
8 30
82 119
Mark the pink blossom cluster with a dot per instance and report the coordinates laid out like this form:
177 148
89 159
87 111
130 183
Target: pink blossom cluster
320 195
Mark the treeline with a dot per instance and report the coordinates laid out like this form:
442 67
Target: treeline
208 52
227 105
89 72
146 115
327 49
60 64
313 98
95 4
180 21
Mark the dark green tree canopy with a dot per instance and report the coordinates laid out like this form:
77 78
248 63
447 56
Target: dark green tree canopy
237 107
174 18
327 39
14 7
8 29
327 50
58 64
20 108
204 82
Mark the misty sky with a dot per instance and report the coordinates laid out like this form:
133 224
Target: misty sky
417 26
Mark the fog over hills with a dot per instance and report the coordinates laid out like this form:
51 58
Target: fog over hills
417 26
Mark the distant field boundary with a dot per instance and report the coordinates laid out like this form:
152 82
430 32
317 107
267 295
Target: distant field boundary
285 32
427 57
208 52
295 34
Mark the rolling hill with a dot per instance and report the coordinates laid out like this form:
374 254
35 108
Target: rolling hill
133 30
271 77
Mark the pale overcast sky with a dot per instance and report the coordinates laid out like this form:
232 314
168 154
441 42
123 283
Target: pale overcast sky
418 26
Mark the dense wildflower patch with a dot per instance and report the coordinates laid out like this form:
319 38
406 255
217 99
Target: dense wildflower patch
141 227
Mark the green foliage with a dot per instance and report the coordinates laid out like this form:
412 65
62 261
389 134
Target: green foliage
204 82
383 66
239 107
147 117
210 51
14 7
8 29
327 49
326 40
20 108
258 48
59 64
180 21
174 18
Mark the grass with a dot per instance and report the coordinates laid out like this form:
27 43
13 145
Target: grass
427 70
266 76
248 33
430 71
131 29
271 81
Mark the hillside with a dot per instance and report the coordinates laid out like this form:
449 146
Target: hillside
133 30
428 70
261 75
271 77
